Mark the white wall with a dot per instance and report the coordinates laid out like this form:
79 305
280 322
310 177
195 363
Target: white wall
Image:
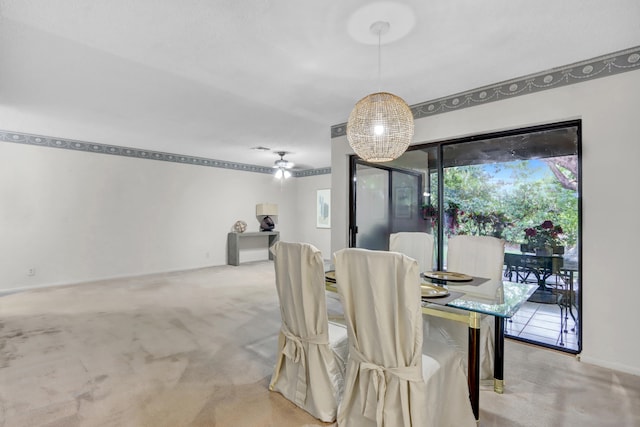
78 216
305 212
609 109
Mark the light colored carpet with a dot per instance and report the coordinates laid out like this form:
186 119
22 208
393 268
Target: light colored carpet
197 348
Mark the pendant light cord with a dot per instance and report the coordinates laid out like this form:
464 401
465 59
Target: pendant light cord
379 27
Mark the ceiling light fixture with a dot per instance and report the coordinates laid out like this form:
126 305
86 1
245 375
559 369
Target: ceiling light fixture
380 126
282 166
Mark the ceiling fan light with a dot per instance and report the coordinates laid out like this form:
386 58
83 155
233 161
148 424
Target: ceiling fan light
282 173
380 127
281 165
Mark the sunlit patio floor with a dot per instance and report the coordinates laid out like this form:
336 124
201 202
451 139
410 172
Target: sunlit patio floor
543 323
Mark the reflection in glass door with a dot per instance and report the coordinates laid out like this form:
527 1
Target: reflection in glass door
371 228
384 200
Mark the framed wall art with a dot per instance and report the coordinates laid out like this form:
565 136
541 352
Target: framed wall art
323 208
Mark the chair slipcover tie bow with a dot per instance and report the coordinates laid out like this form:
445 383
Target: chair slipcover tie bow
294 351
379 381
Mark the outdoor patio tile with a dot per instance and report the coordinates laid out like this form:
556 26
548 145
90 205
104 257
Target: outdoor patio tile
542 332
547 314
514 329
521 318
544 323
538 338
548 308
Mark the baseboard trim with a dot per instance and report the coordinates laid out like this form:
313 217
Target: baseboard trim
15 290
609 365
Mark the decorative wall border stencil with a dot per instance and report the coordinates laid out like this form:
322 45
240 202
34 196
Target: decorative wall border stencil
311 172
603 66
115 150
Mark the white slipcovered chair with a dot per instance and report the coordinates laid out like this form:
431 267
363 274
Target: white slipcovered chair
479 256
415 244
311 351
389 381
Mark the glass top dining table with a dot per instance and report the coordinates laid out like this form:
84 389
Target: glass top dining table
503 304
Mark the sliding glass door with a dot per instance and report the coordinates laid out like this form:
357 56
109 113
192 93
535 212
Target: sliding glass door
522 186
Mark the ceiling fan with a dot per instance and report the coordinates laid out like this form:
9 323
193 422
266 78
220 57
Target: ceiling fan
282 166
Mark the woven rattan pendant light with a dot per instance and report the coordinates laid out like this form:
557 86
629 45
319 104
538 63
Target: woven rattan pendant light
380 126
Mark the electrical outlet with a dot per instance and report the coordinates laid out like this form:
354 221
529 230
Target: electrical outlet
31 271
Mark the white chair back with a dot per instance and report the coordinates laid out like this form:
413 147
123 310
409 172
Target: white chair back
308 371
384 385
416 245
480 256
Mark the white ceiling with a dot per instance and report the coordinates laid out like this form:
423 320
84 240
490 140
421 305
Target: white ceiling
214 78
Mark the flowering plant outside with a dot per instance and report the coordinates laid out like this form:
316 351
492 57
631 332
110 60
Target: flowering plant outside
544 235
429 211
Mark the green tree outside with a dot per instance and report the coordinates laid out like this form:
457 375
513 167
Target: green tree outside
504 199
